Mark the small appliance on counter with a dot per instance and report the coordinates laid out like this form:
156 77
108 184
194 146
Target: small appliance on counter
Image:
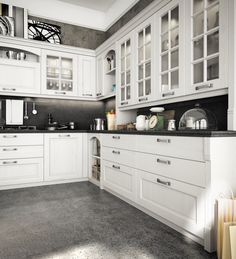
99 124
198 119
156 122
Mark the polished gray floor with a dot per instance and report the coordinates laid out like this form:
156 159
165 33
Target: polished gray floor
77 221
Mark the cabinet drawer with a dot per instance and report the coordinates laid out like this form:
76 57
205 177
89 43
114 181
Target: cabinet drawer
181 147
180 203
20 171
119 156
21 152
30 139
120 179
119 141
188 171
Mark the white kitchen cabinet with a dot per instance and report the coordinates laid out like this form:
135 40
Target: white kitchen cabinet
59 73
207 45
17 76
180 203
125 61
63 156
87 76
21 171
119 179
144 61
171 47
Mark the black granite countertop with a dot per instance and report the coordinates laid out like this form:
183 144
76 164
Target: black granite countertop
182 133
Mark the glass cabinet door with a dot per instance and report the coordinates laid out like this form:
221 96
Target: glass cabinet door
59 74
205 43
169 52
144 63
125 72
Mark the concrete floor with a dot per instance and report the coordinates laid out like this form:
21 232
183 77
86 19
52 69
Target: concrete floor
77 221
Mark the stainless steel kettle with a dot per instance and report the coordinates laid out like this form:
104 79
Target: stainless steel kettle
99 124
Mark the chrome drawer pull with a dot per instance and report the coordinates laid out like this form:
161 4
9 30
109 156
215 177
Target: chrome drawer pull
87 95
99 94
163 140
64 136
163 182
143 99
116 152
10 149
124 103
9 162
10 136
168 94
60 93
203 87
166 162
8 89
116 167
116 137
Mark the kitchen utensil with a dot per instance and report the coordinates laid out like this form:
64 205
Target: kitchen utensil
198 119
99 123
140 122
11 54
157 109
171 125
20 55
34 111
26 117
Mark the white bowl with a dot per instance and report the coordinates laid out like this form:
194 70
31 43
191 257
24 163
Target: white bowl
157 109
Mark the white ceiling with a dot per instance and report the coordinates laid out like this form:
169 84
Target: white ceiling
99 5
94 14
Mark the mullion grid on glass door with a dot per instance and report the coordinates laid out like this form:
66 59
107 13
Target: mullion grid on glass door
205 40
170 50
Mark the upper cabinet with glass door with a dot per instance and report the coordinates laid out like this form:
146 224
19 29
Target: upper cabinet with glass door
208 44
144 62
59 73
171 49
125 71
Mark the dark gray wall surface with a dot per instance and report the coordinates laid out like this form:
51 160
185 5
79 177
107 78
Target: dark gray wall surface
77 36
137 8
82 37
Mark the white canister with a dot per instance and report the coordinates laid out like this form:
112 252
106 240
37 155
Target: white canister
171 125
190 123
141 122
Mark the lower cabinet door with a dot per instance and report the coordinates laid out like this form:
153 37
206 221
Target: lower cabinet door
63 156
120 179
177 202
20 171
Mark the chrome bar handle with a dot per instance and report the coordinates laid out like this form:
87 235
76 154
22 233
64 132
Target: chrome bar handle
143 99
9 162
8 89
163 182
10 136
116 137
124 103
163 140
203 86
166 162
63 93
116 167
168 94
9 149
115 152
64 136
87 95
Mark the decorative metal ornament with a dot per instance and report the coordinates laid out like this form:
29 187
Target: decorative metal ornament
44 32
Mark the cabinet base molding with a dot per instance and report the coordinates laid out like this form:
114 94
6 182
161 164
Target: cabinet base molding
27 185
162 220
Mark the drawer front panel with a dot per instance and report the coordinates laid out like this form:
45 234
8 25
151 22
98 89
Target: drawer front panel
20 171
119 141
120 179
25 139
21 152
174 201
188 171
119 156
181 147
